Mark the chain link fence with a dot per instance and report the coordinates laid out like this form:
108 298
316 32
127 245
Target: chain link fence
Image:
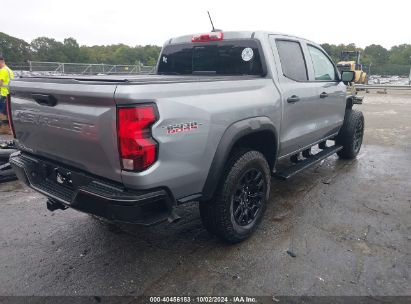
38 68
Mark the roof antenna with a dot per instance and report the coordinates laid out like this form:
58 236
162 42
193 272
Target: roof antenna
212 25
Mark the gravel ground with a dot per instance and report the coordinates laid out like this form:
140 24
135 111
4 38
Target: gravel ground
348 222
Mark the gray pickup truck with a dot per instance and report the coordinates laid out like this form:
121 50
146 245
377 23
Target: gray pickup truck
211 125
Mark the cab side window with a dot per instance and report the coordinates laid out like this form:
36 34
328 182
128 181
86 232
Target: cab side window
323 68
292 60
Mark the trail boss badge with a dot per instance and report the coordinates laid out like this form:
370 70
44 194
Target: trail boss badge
182 127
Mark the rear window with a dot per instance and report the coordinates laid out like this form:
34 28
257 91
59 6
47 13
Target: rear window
212 58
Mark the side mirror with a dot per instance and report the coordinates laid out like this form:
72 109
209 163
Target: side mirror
347 76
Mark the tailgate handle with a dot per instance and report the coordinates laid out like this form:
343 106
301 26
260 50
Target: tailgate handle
45 99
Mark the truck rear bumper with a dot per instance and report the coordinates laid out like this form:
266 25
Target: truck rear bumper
91 194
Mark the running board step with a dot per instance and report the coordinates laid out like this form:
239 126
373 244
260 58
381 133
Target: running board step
306 163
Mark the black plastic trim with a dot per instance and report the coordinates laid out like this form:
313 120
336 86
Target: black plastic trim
233 133
307 163
190 198
93 195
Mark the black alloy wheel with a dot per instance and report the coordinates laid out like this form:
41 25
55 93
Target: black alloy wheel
248 197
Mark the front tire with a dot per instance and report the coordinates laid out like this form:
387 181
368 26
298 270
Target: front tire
351 134
241 200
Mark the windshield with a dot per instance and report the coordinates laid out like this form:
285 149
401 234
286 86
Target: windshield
229 57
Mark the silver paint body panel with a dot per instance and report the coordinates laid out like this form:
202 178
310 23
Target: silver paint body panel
80 131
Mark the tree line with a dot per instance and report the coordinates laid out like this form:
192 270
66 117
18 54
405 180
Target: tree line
375 58
48 49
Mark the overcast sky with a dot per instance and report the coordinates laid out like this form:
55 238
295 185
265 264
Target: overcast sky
151 21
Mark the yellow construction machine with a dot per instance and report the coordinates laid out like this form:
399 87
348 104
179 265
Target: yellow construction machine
350 61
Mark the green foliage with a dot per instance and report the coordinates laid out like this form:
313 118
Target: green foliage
390 69
376 54
400 54
71 50
120 54
48 49
15 50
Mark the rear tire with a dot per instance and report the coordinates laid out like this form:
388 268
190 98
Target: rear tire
241 200
351 134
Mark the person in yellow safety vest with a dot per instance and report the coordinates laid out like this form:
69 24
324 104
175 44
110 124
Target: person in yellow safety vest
6 74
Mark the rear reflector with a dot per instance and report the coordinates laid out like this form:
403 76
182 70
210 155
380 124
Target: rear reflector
213 36
138 150
8 108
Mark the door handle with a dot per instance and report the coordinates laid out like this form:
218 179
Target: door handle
45 99
323 95
293 98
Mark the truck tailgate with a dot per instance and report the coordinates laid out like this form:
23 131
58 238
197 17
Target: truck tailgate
71 122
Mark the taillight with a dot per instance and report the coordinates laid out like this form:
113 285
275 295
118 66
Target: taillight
8 108
213 36
138 150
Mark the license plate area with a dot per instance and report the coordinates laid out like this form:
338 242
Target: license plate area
60 176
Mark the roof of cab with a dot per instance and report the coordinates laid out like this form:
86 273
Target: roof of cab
234 35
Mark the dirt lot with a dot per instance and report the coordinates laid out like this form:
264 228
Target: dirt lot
348 222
